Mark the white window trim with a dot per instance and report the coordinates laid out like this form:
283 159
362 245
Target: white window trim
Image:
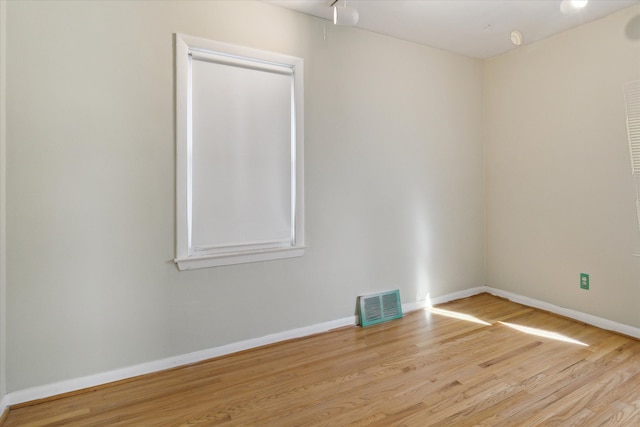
188 257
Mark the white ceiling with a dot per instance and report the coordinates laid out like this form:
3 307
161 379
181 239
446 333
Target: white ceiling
475 28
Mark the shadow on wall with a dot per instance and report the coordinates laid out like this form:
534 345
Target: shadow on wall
633 28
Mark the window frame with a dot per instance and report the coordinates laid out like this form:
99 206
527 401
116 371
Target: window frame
191 257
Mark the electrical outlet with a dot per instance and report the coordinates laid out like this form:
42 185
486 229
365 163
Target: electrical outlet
584 281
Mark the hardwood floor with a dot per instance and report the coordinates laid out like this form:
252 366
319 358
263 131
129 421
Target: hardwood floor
462 363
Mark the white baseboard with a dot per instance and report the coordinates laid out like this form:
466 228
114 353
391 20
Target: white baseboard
421 305
458 295
4 404
53 389
48 390
567 312
66 386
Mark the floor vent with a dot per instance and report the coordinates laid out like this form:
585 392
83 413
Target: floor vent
380 307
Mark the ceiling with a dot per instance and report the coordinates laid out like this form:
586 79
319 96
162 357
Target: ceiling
474 28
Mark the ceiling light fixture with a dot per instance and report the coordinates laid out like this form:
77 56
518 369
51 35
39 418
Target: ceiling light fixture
516 37
569 6
344 15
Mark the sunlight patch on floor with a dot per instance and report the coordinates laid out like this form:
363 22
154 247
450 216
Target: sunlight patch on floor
543 333
456 315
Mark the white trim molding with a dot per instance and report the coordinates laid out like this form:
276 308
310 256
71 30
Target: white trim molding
429 302
4 405
212 228
76 384
61 387
567 312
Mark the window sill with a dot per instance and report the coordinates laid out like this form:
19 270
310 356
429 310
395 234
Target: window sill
232 258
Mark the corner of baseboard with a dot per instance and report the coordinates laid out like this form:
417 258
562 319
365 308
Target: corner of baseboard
430 301
589 319
4 409
457 295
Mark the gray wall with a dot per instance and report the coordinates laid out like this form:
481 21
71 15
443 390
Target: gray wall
394 183
560 194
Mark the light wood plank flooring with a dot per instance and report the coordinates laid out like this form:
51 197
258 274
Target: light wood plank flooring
467 362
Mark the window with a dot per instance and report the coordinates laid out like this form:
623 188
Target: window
239 137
